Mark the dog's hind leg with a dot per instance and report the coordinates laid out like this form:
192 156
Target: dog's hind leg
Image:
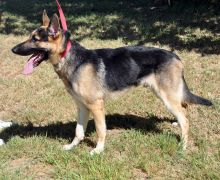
97 109
82 121
168 86
175 107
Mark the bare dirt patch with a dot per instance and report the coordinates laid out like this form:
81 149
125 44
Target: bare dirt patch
139 174
31 168
19 163
42 171
114 132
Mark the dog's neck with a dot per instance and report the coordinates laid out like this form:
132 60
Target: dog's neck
58 67
60 63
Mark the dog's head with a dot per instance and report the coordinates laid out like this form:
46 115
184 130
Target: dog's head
47 41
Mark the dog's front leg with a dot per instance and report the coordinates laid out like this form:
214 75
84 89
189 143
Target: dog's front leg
82 121
97 109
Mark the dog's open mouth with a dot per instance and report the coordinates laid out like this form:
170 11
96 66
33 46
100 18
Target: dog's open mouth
34 61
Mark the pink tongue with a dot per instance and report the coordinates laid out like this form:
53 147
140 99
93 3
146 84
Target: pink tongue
29 66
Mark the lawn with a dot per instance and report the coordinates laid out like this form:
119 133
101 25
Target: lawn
141 141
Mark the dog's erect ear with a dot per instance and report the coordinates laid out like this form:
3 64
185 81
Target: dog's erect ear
54 24
45 18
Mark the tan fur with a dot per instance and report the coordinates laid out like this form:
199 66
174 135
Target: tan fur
172 96
97 109
87 85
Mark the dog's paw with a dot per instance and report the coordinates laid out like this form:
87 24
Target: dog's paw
68 147
96 151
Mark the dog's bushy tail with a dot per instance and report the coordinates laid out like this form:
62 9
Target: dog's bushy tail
194 99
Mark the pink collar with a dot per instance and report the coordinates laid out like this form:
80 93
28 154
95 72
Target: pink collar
64 25
68 47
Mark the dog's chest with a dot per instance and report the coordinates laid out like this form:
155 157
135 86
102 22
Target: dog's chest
62 72
81 84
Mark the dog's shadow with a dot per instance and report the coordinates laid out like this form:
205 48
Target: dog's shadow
67 130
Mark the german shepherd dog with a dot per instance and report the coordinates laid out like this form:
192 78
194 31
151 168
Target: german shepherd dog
91 76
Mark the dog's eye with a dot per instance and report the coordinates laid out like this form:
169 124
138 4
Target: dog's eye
34 39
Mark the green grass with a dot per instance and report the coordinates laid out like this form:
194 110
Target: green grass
141 142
